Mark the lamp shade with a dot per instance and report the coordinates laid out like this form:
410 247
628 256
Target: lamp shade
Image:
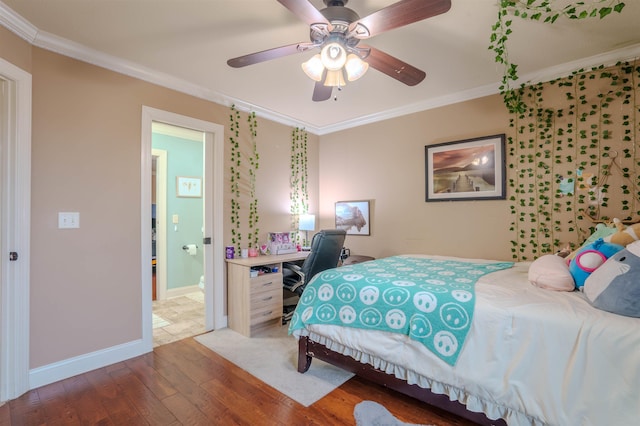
307 222
313 68
355 67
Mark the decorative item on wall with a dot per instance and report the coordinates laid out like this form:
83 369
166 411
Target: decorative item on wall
299 194
536 10
243 175
353 217
188 186
573 158
470 169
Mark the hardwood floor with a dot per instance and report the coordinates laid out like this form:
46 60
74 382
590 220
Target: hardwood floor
184 383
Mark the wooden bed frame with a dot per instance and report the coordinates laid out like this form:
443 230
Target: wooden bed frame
309 349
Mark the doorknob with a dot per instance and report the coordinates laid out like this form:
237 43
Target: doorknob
13 256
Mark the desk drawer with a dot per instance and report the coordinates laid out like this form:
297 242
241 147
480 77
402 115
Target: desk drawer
266 311
266 283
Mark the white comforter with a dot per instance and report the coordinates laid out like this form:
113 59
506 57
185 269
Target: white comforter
532 356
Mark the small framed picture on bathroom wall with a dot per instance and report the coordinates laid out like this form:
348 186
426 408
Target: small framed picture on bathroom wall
189 186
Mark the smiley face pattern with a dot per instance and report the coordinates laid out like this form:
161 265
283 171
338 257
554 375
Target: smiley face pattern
430 300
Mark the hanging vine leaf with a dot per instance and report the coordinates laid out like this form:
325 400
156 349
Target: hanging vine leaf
535 10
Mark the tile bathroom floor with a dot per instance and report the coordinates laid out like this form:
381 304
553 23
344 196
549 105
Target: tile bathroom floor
178 318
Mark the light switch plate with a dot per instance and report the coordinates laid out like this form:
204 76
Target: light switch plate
68 220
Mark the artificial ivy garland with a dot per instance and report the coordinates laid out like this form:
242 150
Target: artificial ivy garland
535 10
299 194
236 176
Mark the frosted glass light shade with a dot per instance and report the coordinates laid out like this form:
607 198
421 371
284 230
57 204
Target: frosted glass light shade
333 56
334 79
313 68
355 67
307 222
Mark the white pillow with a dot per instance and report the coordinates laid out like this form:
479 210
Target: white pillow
552 273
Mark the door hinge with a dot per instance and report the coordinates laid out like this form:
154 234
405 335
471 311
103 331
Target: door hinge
13 256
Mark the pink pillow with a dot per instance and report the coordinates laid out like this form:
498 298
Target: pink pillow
552 273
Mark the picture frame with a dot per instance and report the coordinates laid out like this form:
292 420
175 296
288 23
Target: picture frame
353 217
469 169
189 186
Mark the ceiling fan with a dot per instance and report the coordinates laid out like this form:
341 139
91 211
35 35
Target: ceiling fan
337 31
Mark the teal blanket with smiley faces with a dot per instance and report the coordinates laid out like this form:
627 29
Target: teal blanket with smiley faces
430 300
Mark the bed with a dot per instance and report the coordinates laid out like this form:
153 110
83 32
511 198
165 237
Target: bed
530 356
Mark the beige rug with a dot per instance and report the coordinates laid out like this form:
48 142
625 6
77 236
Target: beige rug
273 359
369 413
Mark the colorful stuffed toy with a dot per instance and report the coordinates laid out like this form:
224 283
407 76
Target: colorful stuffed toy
615 286
589 258
625 235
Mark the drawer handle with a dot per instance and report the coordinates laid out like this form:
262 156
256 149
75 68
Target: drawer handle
266 284
267 298
266 314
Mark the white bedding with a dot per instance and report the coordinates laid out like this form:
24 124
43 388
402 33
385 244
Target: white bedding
532 356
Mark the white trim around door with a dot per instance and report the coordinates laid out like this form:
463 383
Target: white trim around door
213 223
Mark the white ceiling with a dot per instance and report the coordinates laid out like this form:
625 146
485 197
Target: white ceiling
184 44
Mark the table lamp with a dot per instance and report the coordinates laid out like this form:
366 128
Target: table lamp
306 223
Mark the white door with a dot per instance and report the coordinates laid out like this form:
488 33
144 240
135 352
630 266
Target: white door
213 208
15 195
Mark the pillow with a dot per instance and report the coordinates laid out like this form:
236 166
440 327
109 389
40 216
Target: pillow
615 286
589 258
552 273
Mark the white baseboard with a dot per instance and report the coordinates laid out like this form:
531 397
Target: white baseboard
181 291
61 370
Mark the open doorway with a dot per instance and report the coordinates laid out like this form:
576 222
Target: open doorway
209 183
177 229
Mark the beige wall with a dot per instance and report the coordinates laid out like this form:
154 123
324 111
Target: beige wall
384 162
85 283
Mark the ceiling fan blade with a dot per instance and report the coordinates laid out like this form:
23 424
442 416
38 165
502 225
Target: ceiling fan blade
267 55
305 11
401 13
321 92
394 67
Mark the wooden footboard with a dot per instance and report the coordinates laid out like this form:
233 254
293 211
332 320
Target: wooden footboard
308 349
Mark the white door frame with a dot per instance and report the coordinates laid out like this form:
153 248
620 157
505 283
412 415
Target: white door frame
161 218
15 205
213 223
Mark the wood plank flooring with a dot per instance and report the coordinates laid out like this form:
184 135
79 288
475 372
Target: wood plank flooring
184 383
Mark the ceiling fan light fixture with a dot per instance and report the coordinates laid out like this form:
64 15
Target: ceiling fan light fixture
313 68
355 67
335 78
333 56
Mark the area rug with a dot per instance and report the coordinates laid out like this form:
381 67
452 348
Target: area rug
273 358
369 413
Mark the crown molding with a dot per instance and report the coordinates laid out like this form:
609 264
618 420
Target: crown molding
24 29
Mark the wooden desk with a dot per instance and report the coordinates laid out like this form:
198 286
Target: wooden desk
255 303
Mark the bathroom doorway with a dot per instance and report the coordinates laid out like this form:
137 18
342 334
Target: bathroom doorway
177 226
200 190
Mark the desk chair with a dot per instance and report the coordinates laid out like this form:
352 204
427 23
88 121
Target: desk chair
326 246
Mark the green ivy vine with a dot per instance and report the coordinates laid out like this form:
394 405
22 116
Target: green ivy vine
254 163
235 162
238 174
299 194
535 10
573 159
